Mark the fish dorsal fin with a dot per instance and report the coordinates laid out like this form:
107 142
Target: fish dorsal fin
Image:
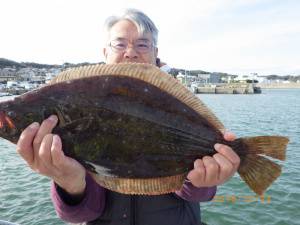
148 73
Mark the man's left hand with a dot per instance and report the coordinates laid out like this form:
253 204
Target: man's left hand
217 169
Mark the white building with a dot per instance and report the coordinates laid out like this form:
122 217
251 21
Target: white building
12 84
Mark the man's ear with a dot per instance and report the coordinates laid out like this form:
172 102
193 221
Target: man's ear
104 53
155 56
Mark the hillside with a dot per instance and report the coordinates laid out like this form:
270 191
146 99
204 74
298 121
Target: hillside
13 64
174 71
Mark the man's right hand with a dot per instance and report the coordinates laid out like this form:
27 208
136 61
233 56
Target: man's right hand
43 153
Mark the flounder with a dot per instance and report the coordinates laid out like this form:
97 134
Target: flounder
136 129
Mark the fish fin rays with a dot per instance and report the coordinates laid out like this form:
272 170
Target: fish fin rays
149 74
140 186
255 169
258 172
273 146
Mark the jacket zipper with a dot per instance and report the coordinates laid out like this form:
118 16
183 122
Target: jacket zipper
133 210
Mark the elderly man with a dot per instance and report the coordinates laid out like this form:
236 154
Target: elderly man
77 198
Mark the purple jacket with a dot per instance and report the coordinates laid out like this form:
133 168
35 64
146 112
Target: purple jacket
93 203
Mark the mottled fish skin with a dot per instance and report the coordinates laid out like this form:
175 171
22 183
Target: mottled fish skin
136 129
119 126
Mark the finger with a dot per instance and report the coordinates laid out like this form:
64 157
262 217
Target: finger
197 175
212 169
229 136
45 128
228 153
198 164
59 159
45 152
57 155
24 145
226 167
63 163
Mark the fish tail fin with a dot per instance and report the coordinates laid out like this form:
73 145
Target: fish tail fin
258 171
273 146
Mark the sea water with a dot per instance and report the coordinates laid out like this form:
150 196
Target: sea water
25 196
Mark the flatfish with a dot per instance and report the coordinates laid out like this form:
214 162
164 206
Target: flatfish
136 129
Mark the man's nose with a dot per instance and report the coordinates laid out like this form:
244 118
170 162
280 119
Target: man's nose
130 53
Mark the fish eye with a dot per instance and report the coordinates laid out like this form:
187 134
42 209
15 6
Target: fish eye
11 114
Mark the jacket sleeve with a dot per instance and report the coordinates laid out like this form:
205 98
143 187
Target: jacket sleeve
191 193
88 208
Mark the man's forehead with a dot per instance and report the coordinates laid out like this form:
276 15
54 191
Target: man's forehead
127 30
145 39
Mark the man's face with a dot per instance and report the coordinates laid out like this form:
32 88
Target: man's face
137 48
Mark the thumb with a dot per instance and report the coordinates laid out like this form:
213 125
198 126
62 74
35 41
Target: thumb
59 159
229 136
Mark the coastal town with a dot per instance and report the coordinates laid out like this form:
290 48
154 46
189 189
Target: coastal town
17 78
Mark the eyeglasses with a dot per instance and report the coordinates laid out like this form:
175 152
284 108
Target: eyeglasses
140 46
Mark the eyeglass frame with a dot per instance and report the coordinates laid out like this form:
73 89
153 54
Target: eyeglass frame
114 49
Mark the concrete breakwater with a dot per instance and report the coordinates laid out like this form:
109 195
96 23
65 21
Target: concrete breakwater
227 89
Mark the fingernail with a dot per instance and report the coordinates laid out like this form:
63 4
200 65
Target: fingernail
52 118
34 125
56 143
55 140
217 146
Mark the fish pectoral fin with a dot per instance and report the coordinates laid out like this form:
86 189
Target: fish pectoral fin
61 120
78 125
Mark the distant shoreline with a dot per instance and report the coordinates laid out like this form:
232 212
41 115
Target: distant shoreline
279 85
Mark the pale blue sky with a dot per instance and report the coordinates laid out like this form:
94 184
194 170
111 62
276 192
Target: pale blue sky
234 36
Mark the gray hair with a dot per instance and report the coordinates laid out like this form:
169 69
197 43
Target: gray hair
143 23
